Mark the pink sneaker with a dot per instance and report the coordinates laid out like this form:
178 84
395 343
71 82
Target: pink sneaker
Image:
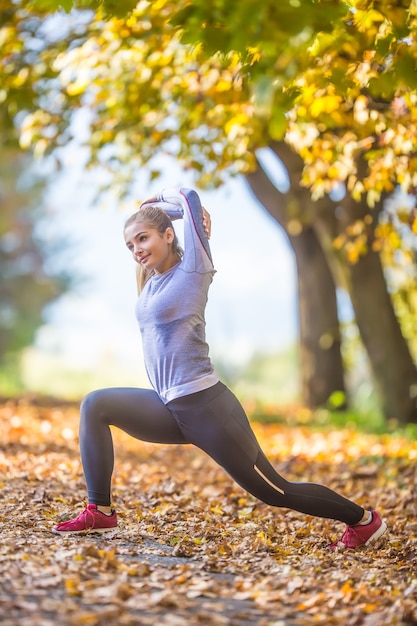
358 535
91 520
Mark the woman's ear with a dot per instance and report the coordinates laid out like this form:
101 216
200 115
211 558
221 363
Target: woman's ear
170 235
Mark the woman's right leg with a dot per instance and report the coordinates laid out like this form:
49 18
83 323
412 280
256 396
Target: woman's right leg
139 412
215 421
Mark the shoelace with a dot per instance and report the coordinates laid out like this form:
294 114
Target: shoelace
90 516
84 514
349 532
347 536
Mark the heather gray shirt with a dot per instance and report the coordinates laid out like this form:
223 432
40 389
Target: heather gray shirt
170 309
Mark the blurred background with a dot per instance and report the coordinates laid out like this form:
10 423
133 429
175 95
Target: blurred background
298 129
88 336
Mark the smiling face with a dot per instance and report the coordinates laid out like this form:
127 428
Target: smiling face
150 248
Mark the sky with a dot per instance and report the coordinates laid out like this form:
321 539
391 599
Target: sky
252 301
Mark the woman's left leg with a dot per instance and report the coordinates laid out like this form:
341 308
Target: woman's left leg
139 412
215 421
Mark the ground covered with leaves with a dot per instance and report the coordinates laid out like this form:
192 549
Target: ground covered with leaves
192 547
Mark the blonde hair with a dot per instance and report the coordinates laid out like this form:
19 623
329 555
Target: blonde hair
153 217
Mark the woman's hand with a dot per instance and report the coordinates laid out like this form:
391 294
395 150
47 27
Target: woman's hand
149 201
206 215
206 222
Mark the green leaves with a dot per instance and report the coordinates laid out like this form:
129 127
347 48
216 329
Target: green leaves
110 8
406 67
50 6
237 25
225 78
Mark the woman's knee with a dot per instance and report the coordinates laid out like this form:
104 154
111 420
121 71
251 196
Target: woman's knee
93 405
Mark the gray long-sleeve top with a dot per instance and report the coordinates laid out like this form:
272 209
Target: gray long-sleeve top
171 308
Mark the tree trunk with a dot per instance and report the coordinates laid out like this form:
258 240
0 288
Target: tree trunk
320 343
319 267
395 374
394 371
321 365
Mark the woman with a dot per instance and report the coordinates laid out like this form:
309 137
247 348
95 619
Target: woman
188 403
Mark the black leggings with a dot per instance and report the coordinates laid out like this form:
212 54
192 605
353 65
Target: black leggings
214 421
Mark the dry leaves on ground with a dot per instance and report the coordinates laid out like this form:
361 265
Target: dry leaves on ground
192 547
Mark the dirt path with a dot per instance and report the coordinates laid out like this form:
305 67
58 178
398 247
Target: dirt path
157 588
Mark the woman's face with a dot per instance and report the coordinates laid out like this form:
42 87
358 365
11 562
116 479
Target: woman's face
149 247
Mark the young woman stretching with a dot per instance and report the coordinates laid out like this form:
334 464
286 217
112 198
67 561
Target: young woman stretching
188 403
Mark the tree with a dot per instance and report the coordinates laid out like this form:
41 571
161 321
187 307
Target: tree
353 121
330 79
320 340
25 286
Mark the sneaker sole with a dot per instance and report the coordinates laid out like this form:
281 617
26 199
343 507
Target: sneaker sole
86 531
377 534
